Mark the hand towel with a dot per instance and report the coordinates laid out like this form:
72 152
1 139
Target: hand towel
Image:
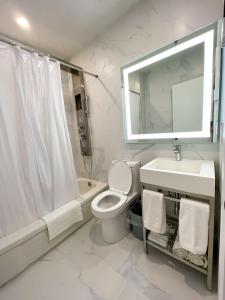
178 250
193 226
198 260
62 218
154 211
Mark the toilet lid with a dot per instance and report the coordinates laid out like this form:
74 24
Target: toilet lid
120 177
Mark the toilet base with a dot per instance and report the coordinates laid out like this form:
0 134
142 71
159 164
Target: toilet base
116 228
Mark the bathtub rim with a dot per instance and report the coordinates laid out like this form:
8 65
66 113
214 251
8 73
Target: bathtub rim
99 187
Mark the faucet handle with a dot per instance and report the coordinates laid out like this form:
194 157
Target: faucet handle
177 151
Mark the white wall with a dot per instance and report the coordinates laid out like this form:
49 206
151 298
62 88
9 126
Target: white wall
149 25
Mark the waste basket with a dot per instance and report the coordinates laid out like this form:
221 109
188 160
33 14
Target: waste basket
135 218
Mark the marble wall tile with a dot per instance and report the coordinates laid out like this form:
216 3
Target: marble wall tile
149 25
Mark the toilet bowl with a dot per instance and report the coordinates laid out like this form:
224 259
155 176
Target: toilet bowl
111 206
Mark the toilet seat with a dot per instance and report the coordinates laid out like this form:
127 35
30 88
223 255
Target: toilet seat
120 177
110 203
104 207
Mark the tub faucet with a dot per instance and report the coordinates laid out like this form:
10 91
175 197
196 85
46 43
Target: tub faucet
177 151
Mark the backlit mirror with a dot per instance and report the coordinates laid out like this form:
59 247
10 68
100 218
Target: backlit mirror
168 94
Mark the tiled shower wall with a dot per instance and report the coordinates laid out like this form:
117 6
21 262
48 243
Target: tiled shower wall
69 102
149 25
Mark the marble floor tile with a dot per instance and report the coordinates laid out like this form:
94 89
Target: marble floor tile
45 280
137 279
131 293
84 267
116 258
113 254
106 282
173 277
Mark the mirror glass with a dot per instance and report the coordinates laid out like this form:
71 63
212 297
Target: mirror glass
168 94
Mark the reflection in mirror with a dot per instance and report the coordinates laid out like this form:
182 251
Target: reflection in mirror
161 94
169 94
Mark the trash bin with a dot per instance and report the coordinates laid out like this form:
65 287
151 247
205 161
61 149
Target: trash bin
135 217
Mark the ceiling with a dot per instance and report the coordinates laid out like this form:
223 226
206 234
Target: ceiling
60 27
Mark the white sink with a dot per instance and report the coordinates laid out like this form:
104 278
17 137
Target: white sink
191 176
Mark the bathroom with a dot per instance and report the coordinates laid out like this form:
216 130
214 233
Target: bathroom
94 44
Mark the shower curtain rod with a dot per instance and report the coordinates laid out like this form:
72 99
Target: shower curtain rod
12 42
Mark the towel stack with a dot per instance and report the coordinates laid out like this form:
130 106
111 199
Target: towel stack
159 239
196 259
178 250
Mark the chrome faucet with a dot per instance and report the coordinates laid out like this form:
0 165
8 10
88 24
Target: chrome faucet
177 151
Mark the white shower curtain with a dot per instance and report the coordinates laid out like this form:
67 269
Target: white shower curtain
36 165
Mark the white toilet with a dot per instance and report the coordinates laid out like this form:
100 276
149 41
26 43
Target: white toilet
111 206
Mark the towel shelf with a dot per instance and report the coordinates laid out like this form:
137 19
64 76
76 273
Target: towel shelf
167 196
175 196
168 252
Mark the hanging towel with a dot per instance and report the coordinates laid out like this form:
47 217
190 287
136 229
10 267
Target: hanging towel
178 250
62 218
198 260
193 226
154 211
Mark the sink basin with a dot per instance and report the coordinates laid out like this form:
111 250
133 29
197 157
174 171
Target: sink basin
190 176
168 164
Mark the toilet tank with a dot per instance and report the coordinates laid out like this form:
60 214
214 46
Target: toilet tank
135 169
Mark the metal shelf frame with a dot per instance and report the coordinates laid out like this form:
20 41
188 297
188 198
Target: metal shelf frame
178 194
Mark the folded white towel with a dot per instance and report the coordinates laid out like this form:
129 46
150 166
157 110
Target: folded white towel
161 237
162 243
154 211
193 226
198 260
178 250
62 218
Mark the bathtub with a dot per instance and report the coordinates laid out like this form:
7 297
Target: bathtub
21 248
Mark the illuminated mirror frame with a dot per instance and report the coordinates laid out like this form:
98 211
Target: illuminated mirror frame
208 39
